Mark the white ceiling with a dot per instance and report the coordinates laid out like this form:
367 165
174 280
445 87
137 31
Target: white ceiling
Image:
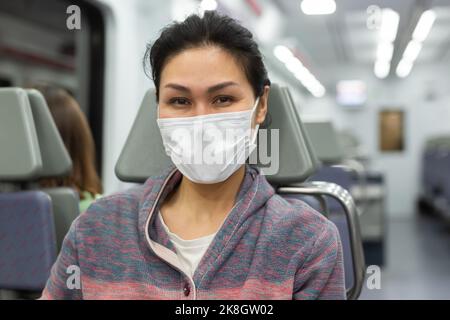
344 38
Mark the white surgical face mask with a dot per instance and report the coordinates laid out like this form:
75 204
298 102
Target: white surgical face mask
209 148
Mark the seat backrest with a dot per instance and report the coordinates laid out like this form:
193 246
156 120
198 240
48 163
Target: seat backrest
341 177
324 139
143 154
341 223
56 162
24 115
297 161
27 232
20 158
311 151
30 142
435 159
65 205
349 143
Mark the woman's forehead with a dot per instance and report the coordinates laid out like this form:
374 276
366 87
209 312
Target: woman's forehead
203 66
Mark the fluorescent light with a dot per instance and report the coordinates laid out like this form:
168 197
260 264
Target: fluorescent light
284 54
412 50
318 91
404 68
424 25
319 94
309 81
388 32
389 25
385 51
294 65
305 76
382 68
318 7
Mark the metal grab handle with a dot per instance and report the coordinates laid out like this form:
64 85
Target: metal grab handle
360 171
344 198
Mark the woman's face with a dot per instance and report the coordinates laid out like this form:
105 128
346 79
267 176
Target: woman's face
206 80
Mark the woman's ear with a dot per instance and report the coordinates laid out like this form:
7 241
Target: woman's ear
262 106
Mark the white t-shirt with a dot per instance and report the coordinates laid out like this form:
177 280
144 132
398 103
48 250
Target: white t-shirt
189 252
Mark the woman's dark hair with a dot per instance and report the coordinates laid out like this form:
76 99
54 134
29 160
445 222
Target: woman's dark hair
77 137
211 29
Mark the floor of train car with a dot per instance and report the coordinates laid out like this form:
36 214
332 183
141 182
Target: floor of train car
417 261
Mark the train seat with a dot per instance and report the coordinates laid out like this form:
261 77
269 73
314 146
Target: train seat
435 170
347 218
27 235
352 175
56 162
49 149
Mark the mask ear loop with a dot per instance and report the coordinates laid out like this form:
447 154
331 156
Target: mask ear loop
254 133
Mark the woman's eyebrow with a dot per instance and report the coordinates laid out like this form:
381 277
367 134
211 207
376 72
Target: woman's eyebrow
212 89
177 87
221 86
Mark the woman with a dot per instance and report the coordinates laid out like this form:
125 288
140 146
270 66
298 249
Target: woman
77 137
206 229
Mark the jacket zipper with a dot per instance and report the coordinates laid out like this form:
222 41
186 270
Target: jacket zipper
147 237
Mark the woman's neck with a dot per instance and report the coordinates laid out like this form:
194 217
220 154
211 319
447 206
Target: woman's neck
194 210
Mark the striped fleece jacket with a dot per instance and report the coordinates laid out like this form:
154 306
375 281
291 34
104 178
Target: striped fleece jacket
268 247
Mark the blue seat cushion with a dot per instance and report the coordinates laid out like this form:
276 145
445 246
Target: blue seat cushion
27 240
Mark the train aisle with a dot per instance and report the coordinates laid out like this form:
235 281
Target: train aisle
418 261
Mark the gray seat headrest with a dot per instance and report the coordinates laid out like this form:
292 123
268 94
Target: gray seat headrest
55 158
325 141
30 142
297 161
442 141
143 154
314 159
20 158
349 143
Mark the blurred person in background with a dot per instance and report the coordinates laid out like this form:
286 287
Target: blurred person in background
77 137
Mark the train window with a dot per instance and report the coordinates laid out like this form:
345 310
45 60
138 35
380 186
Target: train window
40 48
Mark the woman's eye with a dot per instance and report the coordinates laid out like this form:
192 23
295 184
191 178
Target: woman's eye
223 100
179 101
